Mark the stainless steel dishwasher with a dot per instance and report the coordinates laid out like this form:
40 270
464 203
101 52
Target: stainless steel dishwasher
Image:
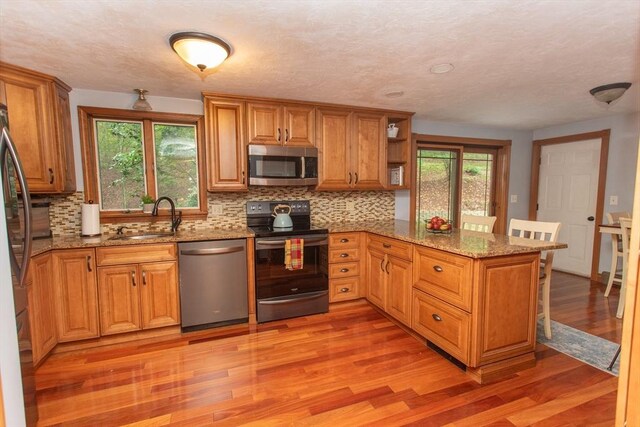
213 283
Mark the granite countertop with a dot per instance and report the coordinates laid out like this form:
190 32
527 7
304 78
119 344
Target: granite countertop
472 244
468 243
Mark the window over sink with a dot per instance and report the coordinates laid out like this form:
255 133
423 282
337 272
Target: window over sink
127 154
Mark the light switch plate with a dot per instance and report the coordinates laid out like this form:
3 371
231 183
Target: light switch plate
216 209
514 198
613 200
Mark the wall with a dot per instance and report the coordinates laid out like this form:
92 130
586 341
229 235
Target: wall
325 206
520 160
621 168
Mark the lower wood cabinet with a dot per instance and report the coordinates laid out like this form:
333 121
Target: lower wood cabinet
137 296
344 266
75 294
42 316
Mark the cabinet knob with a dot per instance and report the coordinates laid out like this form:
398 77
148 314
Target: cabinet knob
386 245
344 270
436 317
437 268
344 255
344 240
343 290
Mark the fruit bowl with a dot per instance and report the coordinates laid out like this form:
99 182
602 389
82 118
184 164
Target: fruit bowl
432 231
437 225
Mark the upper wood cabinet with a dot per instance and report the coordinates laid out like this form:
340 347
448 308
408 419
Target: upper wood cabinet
281 124
352 149
226 154
40 124
75 294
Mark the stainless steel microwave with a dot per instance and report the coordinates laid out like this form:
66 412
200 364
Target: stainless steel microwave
277 165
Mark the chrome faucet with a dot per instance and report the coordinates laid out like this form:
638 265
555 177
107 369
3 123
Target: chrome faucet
175 220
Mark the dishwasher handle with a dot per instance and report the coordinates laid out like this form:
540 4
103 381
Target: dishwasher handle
212 251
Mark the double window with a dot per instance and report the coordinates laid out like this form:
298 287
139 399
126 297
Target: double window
130 154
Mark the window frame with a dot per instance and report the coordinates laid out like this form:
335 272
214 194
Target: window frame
502 165
86 117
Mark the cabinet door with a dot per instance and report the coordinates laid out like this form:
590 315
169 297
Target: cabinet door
376 276
30 117
226 156
399 289
66 169
368 151
119 299
75 294
299 125
159 294
41 310
333 133
265 124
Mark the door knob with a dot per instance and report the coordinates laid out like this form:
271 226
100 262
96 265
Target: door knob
590 218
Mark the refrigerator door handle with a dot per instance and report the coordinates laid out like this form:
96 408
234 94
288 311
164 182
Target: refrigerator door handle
7 145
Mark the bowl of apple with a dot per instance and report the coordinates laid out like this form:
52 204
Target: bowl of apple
438 225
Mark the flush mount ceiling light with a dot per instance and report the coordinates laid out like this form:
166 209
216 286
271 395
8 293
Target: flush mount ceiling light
141 103
395 94
609 93
199 49
441 68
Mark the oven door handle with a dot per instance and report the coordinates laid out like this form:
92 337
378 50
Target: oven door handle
289 300
213 251
309 242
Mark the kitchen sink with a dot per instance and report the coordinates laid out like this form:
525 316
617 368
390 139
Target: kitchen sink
143 236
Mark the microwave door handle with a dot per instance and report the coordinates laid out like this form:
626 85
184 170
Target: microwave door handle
8 146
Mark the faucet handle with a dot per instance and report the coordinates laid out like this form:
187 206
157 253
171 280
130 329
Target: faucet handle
119 230
176 223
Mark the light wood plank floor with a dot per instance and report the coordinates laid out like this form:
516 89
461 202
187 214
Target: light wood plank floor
349 367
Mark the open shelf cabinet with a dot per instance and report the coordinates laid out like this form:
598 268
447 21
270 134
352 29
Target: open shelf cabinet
399 153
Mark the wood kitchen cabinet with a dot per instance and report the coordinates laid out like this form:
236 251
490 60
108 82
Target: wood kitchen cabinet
75 294
389 272
42 316
225 136
281 124
140 295
352 149
344 266
40 122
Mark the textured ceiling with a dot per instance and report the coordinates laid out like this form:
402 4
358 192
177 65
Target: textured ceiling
518 64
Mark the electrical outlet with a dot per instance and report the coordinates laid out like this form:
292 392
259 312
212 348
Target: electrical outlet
216 209
351 206
514 198
613 200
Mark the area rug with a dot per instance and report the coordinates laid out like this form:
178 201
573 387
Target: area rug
595 351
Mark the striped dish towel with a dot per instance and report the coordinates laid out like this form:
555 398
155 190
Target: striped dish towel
294 254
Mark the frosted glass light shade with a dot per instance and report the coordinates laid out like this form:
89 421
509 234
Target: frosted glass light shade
609 93
199 49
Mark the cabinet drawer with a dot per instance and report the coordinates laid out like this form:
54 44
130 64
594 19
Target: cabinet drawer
446 326
344 240
391 246
136 254
344 289
444 275
344 255
344 269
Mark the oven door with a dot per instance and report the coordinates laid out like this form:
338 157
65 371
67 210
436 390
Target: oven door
283 293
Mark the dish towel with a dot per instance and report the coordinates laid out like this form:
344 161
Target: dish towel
294 254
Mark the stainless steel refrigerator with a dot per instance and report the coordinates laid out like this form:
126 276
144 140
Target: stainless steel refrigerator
16 197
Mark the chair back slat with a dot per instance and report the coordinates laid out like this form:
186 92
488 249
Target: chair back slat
535 230
478 223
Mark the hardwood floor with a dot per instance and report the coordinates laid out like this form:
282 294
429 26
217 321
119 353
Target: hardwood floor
349 367
580 303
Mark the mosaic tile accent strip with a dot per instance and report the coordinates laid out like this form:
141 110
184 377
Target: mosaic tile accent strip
65 211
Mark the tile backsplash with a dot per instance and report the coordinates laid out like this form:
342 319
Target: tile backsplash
65 217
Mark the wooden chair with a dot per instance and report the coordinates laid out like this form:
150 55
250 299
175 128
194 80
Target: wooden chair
625 226
541 231
477 223
616 249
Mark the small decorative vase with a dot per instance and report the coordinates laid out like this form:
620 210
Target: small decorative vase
147 207
392 130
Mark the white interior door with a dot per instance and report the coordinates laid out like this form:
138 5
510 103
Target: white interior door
567 193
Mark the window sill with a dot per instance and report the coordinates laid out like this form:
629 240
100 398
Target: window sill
139 216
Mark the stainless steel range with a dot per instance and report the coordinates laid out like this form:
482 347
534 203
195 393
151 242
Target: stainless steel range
282 293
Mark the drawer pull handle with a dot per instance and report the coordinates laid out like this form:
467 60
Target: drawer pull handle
437 268
344 290
386 245
344 255
344 270
436 317
344 240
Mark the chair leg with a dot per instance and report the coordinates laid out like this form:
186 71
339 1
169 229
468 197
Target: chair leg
546 291
612 275
623 293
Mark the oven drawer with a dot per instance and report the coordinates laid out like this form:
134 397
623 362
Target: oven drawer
344 289
344 240
292 306
344 269
344 255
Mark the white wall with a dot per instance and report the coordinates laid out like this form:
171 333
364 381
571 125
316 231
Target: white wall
621 167
520 160
94 98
